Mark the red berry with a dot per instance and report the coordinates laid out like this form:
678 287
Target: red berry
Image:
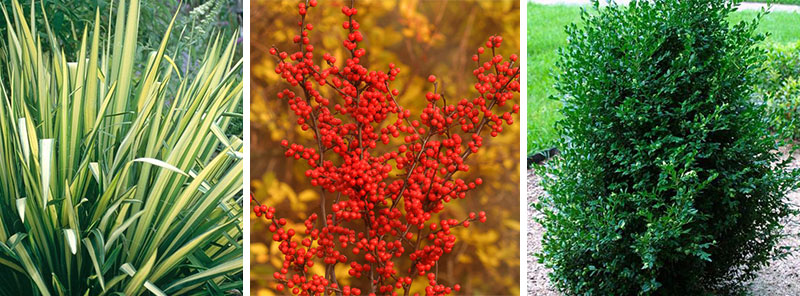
371 153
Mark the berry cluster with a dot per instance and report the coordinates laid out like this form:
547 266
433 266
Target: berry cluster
391 175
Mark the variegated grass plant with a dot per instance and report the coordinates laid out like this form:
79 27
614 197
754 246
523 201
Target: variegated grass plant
111 182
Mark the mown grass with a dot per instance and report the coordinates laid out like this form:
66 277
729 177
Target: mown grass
546 34
793 2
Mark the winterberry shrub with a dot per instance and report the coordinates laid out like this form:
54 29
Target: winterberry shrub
385 177
670 182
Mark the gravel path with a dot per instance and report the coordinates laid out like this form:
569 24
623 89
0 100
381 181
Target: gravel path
781 278
743 6
538 283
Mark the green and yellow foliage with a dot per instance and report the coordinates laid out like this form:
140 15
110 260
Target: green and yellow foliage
117 175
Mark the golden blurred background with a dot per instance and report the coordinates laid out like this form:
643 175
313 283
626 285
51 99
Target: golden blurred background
421 38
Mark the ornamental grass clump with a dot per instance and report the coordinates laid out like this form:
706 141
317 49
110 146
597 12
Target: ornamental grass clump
670 182
110 182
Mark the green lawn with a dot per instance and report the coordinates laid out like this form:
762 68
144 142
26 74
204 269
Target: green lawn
546 34
795 2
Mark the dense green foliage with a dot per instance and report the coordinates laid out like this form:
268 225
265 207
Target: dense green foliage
114 183
783 107
546 34
779 89
670 182
782 63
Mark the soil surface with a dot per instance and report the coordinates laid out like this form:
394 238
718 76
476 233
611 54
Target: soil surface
780 278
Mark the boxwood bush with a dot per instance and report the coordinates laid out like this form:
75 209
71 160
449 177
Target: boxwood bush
784 108
669 181
782 62
779 88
